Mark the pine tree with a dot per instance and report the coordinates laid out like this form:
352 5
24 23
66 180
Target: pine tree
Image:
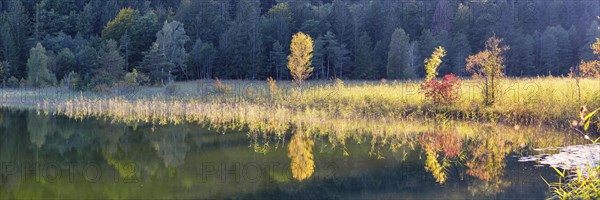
110 60
18 26
549 54
277 59
86 61
564 50
363 66
142 35
413 60
398 55
331 44
585 53
9 52
521 61
38 74
65 61
318 59
442 16
249 20
87 20
157 66
427 45
460 50
203 56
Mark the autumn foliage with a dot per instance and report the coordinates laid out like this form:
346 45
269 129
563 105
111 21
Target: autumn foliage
487 66
299 61
591 69
442 92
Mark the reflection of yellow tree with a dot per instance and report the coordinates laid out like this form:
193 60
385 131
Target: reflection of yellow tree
439 171
449 144
300 152
487 158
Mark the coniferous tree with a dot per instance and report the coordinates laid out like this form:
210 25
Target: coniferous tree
65 62
110 61
197 67
87 20
142 35
277 60
398 55
585 53
549 54
564 50
157 66
9 52
18 26
318 59
86 61
363 66
460 50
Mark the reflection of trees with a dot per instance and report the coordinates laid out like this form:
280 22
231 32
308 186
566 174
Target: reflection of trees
170 145
124 166
301 155
488 188
450 144
439 171
39 127
109 137
487 157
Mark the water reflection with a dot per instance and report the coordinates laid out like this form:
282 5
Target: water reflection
100 159
301 155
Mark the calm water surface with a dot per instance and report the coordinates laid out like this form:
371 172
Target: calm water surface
54 157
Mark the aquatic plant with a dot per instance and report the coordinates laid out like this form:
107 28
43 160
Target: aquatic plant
576 186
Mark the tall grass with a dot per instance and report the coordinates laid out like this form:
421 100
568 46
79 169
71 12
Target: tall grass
550 102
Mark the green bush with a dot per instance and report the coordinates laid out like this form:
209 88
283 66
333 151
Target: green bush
101 82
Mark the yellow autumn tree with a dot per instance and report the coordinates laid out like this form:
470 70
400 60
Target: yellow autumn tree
431 64
591 69
299 60
120 24
487 66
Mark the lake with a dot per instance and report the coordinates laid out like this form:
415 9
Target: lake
55 157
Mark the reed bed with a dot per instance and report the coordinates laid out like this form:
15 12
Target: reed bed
322 107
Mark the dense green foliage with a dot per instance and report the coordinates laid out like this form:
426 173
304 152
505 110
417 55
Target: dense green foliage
250 39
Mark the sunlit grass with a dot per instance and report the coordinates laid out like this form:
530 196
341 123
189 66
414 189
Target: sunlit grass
551 102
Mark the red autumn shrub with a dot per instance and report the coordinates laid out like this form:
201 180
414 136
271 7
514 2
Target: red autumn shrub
442 92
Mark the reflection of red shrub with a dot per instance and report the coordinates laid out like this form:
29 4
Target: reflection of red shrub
443 91
446 142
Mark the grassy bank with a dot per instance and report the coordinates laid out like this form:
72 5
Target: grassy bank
538 101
